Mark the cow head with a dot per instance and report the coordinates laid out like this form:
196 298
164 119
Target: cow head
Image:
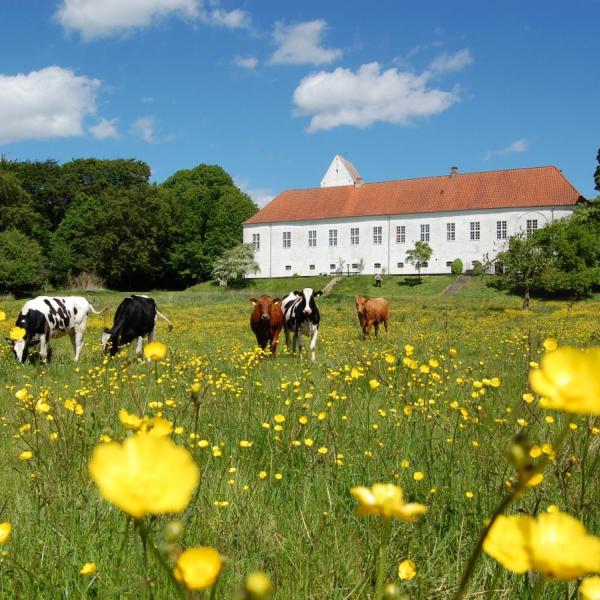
105 338
359 302
110 341
308 295
264 305
20 349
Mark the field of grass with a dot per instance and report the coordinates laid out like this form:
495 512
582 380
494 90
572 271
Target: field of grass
281 504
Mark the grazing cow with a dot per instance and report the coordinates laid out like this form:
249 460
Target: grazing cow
372 312
266 321
301 316
47 317
135 318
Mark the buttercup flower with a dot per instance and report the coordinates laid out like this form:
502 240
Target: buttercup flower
258 585
129 420
386 500
89 568
590 588
198 568
17 333
5 531
555 544
145 475
407 570
155 351
2 315
569 379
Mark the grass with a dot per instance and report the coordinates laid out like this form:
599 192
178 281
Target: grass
300 529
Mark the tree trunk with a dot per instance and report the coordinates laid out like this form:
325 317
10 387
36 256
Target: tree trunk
526 299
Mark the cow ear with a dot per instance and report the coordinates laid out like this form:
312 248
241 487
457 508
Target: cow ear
253 300
106 330
317 294
276 300
9 340
297 293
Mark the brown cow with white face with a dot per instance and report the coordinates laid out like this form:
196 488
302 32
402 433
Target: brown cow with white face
266 321
371 312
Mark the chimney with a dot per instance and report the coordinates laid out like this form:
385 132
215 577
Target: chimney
453 172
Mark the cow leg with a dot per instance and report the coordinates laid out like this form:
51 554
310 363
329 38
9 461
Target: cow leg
78 341
376 325
274 341
385 324
287 337
140 346
151 335
43 348
313 343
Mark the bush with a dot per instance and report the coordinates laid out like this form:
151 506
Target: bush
457 267
21 262
477 268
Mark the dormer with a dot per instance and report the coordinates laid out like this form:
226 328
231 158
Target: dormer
341 172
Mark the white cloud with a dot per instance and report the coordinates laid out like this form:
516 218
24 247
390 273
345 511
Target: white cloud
261 196
95 19
48 103
448 63
246 62
301 44
367 96
517 147
144 128
105 129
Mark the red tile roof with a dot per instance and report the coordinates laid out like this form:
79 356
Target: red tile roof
514 188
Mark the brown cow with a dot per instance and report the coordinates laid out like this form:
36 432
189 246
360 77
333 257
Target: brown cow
372 312
266 321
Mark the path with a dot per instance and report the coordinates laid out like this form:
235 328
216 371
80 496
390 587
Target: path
327 289
457 284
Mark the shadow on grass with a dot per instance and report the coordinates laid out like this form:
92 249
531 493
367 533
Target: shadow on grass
410 282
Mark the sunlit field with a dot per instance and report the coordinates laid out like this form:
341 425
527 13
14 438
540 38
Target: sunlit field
433 406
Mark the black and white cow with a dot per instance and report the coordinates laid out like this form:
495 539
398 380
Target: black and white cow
301 316
135 318
48 317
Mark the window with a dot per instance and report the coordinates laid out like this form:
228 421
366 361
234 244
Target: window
448 263
401 265
312 267
450 232
333 238
377 234
500 230
354 266
424 265
425 233
332 267
475 230
256 241
287 239
377 265
354 236
400 234
498 269
288 267
312 238
531 226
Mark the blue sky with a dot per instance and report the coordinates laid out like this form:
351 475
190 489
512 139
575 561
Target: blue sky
272 90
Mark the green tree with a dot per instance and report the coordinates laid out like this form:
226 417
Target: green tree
597 173
418 255
21 262
234 264
16 207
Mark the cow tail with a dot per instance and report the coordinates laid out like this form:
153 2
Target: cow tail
101 312
165 318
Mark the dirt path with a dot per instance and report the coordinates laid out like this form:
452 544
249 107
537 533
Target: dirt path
457 284
327 289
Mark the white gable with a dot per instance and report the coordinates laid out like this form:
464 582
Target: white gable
341 172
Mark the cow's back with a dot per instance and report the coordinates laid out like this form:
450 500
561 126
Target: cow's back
377 308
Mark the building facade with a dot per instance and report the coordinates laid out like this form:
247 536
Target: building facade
368 228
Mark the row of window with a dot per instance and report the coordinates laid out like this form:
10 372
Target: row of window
354 267
474 234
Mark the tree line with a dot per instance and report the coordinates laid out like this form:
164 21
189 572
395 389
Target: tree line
106 220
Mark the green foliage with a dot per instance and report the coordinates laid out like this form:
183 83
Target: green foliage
478 268
418 255
16 208
235 264
597 173
457 267
21 262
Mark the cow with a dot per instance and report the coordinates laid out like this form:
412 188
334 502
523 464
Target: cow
135 318
372 312
266 321
301 316
46 317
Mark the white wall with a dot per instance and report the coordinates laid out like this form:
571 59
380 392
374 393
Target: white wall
273 258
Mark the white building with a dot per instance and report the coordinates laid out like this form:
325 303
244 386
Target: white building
347 224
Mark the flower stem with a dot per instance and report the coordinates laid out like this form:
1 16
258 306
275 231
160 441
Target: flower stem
382 559
538 590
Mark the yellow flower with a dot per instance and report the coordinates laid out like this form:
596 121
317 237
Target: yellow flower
258 585
17 333
155 351
279 419
386 500
129 420
308 442
25 455
5 531
2 315
555 544
263 475
157 426
245 444
407 570
145 475
89 568
323 450
21 394
418 476
569 380
550 344
590 588
198 568
390 359
374 384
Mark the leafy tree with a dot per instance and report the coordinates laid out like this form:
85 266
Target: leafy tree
234 264
418 255
457 267
21 262
16 207
597 173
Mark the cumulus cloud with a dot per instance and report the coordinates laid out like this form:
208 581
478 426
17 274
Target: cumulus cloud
517 147
145 129
105 129
94 19
447 63
367 96
261 196
49 103
301 44
246 62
